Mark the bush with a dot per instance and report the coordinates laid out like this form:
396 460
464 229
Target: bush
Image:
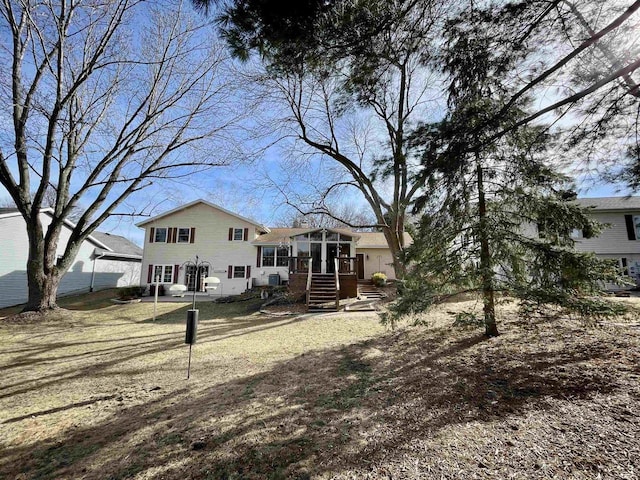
379 279
131 292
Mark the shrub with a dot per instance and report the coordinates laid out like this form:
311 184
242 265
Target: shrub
128 293
379 279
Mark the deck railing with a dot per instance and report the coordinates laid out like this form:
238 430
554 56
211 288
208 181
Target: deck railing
299 264
309 277
347 265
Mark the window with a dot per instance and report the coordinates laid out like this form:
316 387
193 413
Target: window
636 225
184 235
238 272
275 257
625 266
160 235
238 234
576 233
268 256
165 272
282 259
332 236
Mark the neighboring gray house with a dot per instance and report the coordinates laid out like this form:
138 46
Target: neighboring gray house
103 261
621 241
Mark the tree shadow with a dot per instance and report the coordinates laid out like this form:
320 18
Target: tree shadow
309 415
127 349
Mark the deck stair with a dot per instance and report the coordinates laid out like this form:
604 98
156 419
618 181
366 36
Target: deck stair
367 289
323 295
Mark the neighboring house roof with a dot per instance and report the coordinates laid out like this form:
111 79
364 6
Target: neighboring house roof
610 203
377 240
277 235
118 244
204 202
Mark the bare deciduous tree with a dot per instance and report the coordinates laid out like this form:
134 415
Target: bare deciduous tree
104 98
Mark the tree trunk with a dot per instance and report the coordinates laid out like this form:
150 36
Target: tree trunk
393 240
43 277
486 265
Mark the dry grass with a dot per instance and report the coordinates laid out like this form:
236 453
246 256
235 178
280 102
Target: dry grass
102 394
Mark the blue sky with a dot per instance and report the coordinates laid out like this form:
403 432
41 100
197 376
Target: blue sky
243 186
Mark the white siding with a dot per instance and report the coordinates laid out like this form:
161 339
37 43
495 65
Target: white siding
211 244
613 240
379 260
14 249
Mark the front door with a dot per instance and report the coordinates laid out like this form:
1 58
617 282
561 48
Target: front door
316 256
360 257
332 253
195 277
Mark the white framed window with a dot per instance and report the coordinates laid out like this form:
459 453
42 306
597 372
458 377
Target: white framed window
576 233
268 256
282 257
165 272
238 272
184 235
275 256
160 235
238 234
636 225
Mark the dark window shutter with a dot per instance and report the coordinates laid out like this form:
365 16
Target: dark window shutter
152 234
192 238
230 271
631 231
150 275
174 237
230 234
246 234
259 257
625 266
176 269
248 271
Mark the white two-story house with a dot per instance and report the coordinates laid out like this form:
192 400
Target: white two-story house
242 253
621 239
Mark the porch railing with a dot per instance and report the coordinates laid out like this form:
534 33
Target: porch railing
347 265
299 264
309 277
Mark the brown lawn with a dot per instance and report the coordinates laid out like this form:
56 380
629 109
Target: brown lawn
100 392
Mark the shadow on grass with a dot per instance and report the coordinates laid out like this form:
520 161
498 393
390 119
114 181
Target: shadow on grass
209 310
127 349
307 416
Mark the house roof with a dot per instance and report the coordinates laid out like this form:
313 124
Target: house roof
610 203
204 202
118 244
277 235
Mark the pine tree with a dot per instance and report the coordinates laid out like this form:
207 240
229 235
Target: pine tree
486 200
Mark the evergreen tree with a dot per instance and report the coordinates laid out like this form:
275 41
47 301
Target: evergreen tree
486 199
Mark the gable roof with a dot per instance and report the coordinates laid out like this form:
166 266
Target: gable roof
610 203
204 202
118 244
277 235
